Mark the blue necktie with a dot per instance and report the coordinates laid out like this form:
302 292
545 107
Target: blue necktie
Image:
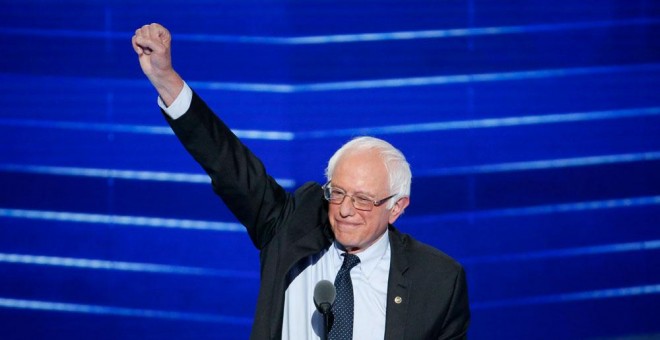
342 309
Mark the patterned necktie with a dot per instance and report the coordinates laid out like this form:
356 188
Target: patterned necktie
342 309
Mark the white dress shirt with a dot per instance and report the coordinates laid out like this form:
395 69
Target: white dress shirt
369 277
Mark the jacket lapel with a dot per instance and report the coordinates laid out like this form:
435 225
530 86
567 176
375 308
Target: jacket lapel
398 288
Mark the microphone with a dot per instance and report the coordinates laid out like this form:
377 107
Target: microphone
324 297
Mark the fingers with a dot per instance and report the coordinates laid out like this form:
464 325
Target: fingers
149 38
154 32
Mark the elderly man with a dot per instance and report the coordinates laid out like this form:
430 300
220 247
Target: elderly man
388 284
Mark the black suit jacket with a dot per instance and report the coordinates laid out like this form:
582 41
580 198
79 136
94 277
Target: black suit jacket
427 293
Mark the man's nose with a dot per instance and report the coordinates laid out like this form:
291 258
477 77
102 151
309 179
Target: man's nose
346 207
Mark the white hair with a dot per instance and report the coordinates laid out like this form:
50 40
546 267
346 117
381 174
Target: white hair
398 169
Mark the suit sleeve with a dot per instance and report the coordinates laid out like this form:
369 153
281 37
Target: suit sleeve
237 175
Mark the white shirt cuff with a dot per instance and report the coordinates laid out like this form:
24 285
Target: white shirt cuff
180 105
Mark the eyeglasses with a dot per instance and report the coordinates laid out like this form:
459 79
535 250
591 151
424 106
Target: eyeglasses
360 201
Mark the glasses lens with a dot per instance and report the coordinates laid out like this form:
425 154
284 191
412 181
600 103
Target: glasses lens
337 196
362 203
334 195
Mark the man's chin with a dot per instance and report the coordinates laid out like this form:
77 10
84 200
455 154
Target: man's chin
348 244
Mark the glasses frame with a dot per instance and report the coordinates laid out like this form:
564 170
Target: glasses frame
327 188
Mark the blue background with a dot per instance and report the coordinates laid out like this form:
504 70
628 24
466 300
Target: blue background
532 128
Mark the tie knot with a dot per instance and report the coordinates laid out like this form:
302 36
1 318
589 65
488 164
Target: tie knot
350 261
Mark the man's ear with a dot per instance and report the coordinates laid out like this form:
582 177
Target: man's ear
398 208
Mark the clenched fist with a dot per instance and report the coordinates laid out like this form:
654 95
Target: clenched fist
152 43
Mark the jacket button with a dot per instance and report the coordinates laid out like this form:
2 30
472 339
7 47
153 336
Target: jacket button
398 300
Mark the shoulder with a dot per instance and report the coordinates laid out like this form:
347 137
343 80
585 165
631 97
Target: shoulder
423 257
309 189
438 297
307 208
309 195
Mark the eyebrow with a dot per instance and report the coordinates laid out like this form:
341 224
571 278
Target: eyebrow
371 196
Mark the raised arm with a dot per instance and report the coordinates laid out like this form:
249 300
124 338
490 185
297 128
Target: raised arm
237 175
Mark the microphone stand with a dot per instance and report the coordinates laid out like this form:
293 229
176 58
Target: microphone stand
324 308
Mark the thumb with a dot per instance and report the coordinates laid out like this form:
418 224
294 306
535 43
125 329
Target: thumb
137 48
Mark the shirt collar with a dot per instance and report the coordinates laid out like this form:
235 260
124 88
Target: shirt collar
369 257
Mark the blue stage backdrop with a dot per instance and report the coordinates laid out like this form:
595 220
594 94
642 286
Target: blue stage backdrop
532 128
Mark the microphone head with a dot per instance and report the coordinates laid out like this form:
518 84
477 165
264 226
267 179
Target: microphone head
324 295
